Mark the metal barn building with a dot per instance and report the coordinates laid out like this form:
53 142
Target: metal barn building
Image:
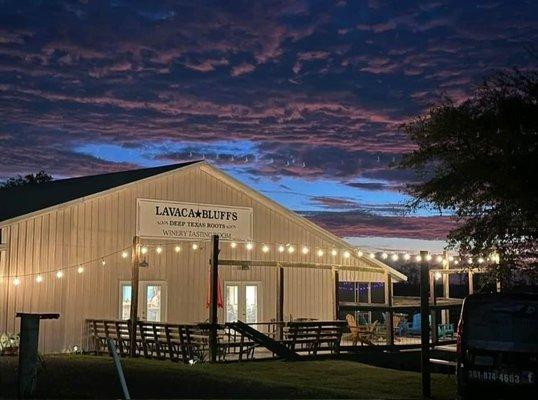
65 247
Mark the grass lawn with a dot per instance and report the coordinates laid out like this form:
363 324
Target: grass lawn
94 377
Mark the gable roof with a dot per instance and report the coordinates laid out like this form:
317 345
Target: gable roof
21 200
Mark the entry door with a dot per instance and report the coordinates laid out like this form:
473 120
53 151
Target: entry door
242 302
152 301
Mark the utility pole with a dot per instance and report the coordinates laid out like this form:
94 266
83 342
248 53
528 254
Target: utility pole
213 298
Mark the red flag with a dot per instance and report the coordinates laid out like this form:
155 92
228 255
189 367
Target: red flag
220 301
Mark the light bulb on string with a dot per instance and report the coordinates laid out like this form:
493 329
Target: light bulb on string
144 250
195 246
158 250
480 260
103 263
407 257
80 270
16 281
470 261
124 254
59 274
418 258
360 253
39 279
333 252
438 275
346 254
384 256
320 253
249 246
428 257
439 259
291 249
450 258
177 249
233 245
304 250
265 248
281 249
394 257
372 255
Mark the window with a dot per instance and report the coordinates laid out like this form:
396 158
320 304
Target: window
361 292
152 301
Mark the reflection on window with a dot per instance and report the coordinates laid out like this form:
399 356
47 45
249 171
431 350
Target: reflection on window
125 301
153 298
232 303
251 304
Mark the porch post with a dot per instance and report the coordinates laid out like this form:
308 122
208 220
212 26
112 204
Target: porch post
471 283
213 298
336 280
390 314
433 313
425 325
135 277
445 315
280 300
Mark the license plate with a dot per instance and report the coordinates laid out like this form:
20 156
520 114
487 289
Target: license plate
514 378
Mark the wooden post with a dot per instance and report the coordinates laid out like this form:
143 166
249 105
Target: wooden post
445 315
213 298
29 339
470 278
135 278
280 301
425 325
433 314
336 280
390 314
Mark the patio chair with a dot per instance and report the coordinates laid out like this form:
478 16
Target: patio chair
365 334
443 330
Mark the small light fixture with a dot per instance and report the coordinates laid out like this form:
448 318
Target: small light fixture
159 250
249 246
333 252
384 256
406 257
320 253
418 258
233 245
360 253
195 246
103 263
265 248
437 275
39 279
177 249
304 250
124 254
372 255
480 260
281 249
456 262
16 281
394 257
144 250
291 249
470 261
346 254
59 274
428 257
80 270
450 258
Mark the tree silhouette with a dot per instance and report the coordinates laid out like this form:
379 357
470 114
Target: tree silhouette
30 179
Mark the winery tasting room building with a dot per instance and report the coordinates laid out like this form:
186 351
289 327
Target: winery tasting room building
66 247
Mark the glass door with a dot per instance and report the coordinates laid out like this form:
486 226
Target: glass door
242 302
151 301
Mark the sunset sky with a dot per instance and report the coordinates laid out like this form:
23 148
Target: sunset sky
300 100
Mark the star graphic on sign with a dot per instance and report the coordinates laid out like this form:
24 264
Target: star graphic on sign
198 214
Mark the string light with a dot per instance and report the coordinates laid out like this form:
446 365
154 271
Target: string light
59 274
480 260
406 257
320 253
418 258
372 255
177 249
250 246
346 254
195 246
394 257
428 257
334 252
265 248
124 254
470 261
456 262
80 270
439 259
103 263
280 249
450 258
144 250
360 253
16 281
233 245
437 275
159 250
291 249
384 256
39 279
304 250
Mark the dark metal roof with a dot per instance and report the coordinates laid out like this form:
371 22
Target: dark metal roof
21 200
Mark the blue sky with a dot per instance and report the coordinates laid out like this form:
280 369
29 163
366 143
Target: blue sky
303 100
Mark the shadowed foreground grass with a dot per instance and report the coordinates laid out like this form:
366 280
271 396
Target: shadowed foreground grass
94 377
